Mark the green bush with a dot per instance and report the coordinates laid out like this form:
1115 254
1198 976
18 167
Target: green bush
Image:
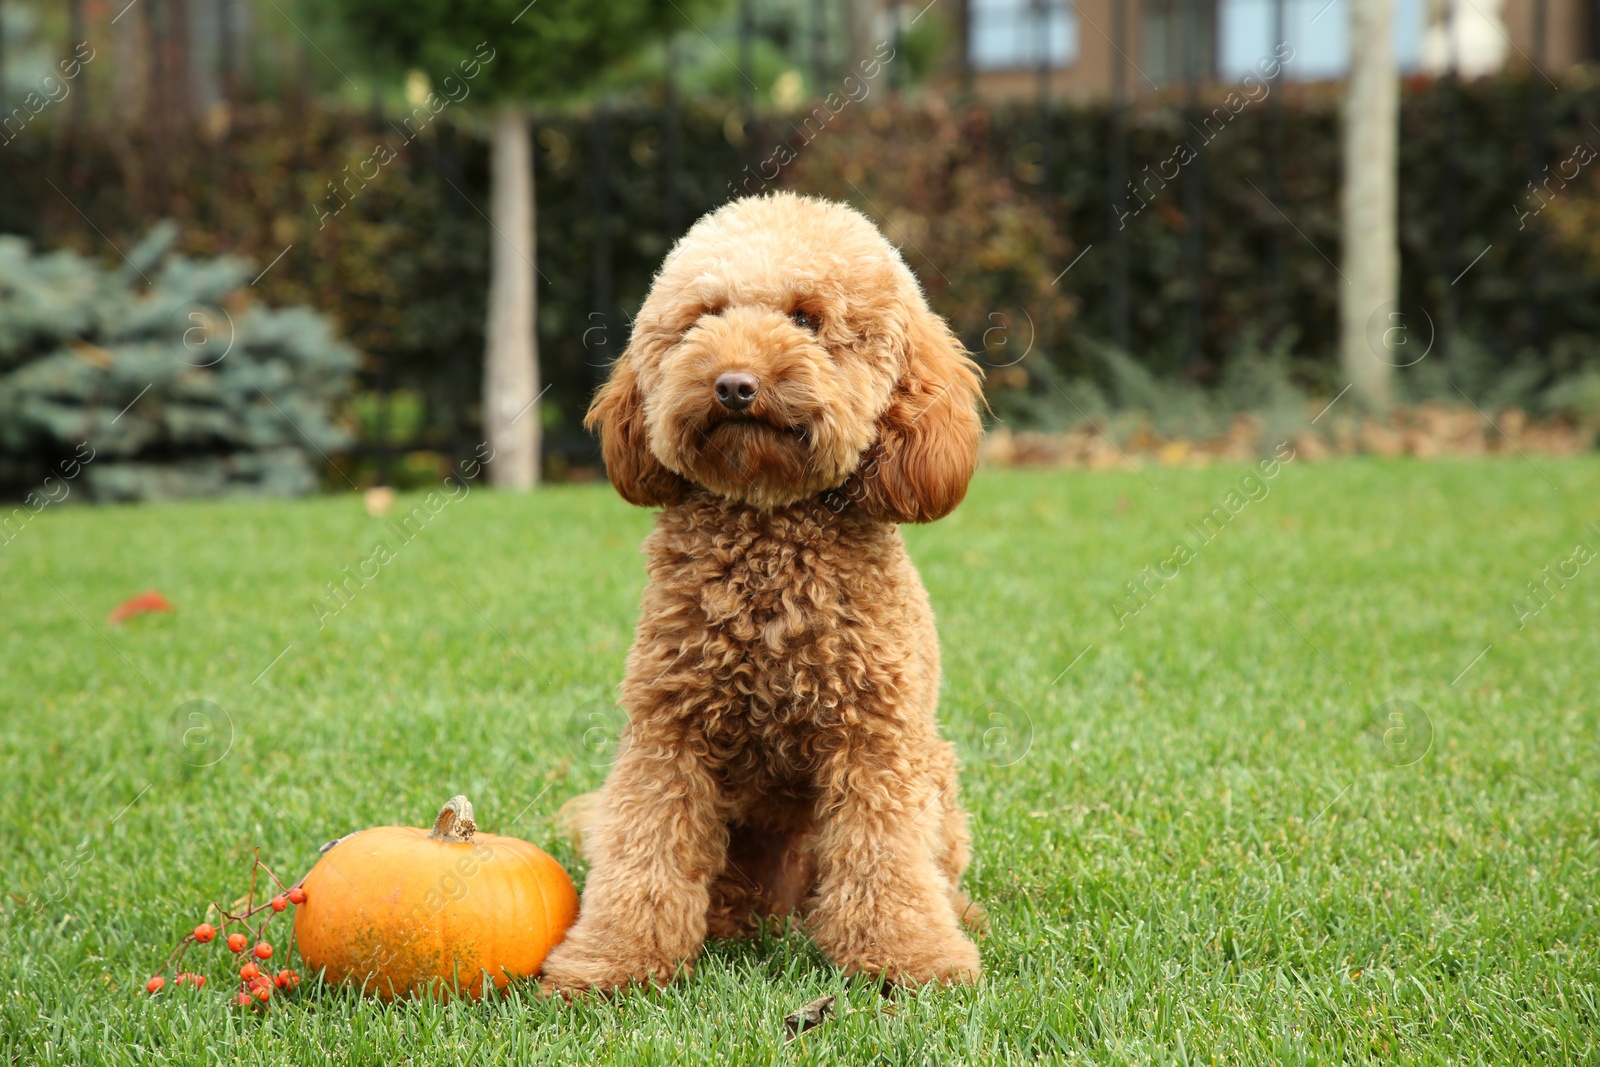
161 378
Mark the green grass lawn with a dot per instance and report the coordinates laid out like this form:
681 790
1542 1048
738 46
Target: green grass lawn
1206 841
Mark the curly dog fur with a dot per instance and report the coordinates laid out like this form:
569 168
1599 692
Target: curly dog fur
782 755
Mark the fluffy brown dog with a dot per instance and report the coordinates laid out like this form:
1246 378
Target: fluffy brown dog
788 397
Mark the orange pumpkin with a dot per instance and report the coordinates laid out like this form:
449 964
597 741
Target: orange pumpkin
401 911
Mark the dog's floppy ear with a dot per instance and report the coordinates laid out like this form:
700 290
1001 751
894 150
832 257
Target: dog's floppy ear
618 414
927 442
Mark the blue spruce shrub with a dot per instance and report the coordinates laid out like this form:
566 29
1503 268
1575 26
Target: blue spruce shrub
166 372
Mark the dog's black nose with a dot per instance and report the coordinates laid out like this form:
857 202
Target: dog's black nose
737 389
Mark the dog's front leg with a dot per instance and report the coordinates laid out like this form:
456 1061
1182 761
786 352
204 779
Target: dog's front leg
882 905
657 842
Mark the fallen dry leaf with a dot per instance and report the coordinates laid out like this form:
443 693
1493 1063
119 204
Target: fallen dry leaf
378 500
809 1017
143 604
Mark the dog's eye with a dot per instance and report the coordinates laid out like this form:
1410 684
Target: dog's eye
803 319
710 312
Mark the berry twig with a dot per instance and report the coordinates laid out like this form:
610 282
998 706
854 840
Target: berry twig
255 986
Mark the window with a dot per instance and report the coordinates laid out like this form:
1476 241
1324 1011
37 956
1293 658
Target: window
1020 34
1177 36
1317 30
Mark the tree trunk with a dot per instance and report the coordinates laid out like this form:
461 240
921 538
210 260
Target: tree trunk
1370 326
861 31
511 364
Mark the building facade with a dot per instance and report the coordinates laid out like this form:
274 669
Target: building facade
1060 48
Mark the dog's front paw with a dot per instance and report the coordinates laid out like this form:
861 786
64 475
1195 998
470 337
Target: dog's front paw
914 959
945 960
572 969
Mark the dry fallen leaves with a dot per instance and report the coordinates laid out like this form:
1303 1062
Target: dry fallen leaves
1429 430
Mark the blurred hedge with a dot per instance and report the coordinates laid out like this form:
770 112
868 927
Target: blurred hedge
990 205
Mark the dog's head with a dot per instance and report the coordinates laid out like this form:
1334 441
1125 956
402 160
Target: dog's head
783 348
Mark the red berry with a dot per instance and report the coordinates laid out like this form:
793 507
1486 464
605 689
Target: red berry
263 951
199 980
204 932
263 992
237 942
280 902
286 979
155 984
249 971
297 895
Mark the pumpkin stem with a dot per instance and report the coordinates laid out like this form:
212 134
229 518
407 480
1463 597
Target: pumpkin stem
455 823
